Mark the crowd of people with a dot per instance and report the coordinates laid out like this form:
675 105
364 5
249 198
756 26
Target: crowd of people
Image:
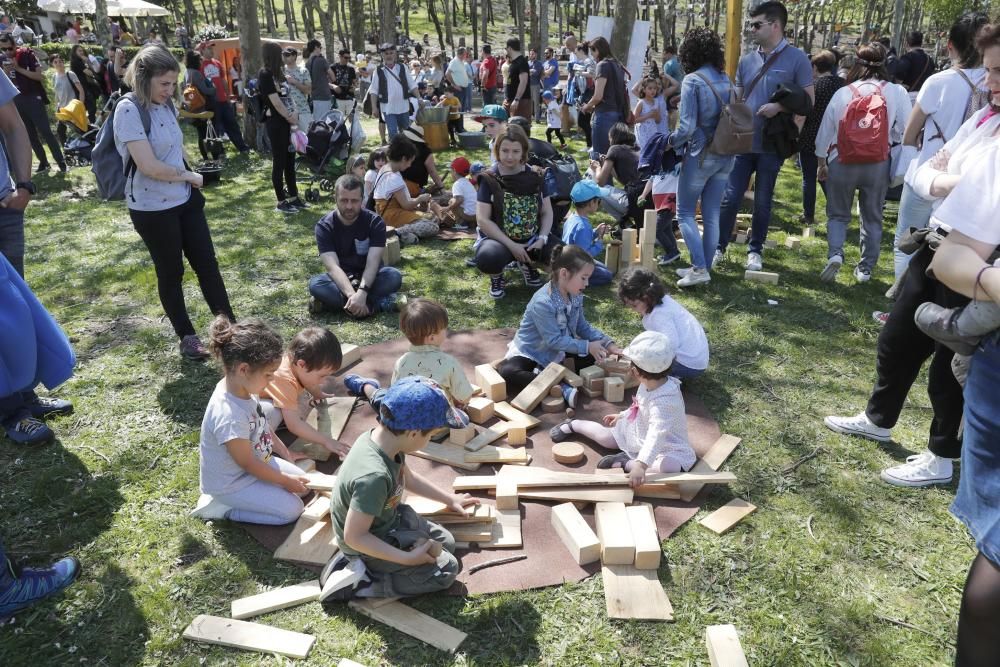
692 141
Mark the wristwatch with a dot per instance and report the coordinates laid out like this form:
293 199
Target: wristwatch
26 185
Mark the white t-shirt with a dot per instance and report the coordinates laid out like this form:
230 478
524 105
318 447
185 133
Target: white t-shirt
228 417
463 188
388 182
672 319
553 115
370 177
458 72
397 98
971 207
944 97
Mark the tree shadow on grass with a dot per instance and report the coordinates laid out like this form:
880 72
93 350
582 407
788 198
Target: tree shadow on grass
184 398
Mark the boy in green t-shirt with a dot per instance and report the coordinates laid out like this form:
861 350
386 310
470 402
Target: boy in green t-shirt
370 519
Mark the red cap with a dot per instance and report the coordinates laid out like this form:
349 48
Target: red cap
461 166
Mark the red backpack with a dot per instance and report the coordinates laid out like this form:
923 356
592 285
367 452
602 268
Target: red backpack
863 134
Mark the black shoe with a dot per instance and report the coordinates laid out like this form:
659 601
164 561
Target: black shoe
613 461
62 167
285 207
940 324
471 262
44 406
42 168
298 203
557 434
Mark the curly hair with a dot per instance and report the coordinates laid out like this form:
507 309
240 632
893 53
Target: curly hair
700 47
639 284
250 341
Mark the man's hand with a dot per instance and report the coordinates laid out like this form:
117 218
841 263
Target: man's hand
822 172
770 110
16 200
357 304
519 252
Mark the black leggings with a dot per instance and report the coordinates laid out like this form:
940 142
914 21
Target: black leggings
202 128
549 131
170 236
979 617
492 256
282 161
583 120
518 372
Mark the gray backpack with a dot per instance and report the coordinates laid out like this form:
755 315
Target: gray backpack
106 161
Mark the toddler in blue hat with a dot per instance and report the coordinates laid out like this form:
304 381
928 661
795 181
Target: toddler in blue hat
586 196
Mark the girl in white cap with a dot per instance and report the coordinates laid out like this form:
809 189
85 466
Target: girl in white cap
652 433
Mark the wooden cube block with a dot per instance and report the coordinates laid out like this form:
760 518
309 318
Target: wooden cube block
393 253
591 373
614 390
574 532
741 237
647 541
351 355
461 436
517 436
808 232
597 384
506 493
593 393
493 385
761 276
792 242
615 533
770 243
480 409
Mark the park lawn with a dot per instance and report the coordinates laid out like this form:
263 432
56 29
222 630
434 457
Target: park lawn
835 568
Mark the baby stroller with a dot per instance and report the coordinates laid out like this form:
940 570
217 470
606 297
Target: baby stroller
325 159
77 149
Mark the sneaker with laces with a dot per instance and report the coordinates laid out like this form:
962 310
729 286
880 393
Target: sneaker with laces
390 303
829 272
29 431
862 275
919 470
43 406
22 587
192 348
298 204
530 275
498 286
858 425
754 261
286 207
210 509
315 306
471 262
880 316
665 260
355 384
717 257
569 395
683 272
695 277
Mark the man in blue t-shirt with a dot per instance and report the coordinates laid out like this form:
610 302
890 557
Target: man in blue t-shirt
351 243
788 65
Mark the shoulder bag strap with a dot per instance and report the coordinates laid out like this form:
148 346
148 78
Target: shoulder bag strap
763 70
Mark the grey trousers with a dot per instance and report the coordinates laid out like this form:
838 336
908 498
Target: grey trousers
393 579
870 181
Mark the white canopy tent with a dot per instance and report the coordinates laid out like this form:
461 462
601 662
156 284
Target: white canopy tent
115 7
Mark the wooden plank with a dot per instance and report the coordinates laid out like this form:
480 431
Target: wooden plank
478 514
636 594
479 533
491 454
249 636
486 436
532 476
506 494
647 542
571 378
347 662
575 534
681 477
319 481
480 409
506 530
329 418
448 454
761 276
617 545
493 385
661 491
531 396
587 494
279 598
409 621
505 410
441 513
317 510
728 515
724 648
310 542
713 460
306 465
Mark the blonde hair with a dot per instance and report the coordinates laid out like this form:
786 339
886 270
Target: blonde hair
151 61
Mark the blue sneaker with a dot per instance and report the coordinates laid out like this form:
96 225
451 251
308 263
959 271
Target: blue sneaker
355 384
391 303
21 589
29 431
43 406
569 395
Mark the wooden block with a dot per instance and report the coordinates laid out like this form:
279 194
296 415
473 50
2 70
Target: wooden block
647 543
486 436
594 393
347 662
306 465
711 477
793 243
493 385
491 454
713 460
741 237
575 534
532 395
351 355
567 452
393 252
596 385
552 404
633 593
761 276
612 366
460 436
555 391
320 481
570 364
587 494
614 390
533 476
662 491
770 243
808 232
728 515
647 257
446 453
409 621
647 233
628 249
506 530
476 389
480 409
617 545
517 436
477 514
317 510
571 378
612 256
279 598
249 636
724 648
434 549
505 410
310 542
506 494
477 533
592 373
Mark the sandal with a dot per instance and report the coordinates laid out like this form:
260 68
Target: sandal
613 461
558 435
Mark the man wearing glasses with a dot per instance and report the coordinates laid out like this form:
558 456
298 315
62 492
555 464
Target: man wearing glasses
760 72
344 77
26 74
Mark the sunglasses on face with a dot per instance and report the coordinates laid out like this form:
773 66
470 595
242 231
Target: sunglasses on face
756 25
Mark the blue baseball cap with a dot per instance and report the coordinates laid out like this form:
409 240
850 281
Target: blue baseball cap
417 403
476 168
586 190
547 95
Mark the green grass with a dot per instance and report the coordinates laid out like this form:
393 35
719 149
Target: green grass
813 578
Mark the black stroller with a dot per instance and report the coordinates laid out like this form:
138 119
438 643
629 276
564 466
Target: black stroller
325 159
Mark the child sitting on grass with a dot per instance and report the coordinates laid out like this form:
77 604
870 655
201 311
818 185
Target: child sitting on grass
642 291
652 433
312 357
371 521
424 322
461 208
376 160
241 479
586 196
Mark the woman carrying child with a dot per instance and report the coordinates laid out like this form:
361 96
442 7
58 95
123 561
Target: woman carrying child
554 326
652 433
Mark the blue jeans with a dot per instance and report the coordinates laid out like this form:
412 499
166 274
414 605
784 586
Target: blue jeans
601 276
914 211
12 237
682 372
225 121
466 97
766 166
387 281
396 122
489 96
809 165
600 125
665 232
702 177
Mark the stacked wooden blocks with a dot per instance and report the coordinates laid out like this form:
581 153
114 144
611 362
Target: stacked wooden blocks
612 255
647 241
629 249
593 381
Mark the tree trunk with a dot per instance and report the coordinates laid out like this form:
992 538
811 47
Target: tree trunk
485 7
543 27
268 17
621 34
289 20
406 16
432 13
101 27
473 20
220 12
250 56
448 14
326 24
897 25
358 26
387 29
190 15
205 12
308 26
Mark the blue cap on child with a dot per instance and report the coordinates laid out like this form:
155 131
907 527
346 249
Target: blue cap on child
476 168
416 403
547 95
586 190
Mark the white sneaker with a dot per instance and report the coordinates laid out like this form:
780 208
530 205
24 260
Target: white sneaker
754 261
833 265
858 425
695 277
919 470
861 275
683 272
717 257
209 509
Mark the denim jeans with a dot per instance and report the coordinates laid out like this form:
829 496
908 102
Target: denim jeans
225 121
387 281
489 96
396 122
12 237
466 97
600 125
766 166
601 276
809 164
682 372
702 177
914 211
36 122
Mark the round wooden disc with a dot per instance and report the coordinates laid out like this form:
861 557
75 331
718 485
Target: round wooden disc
553 404
567 452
